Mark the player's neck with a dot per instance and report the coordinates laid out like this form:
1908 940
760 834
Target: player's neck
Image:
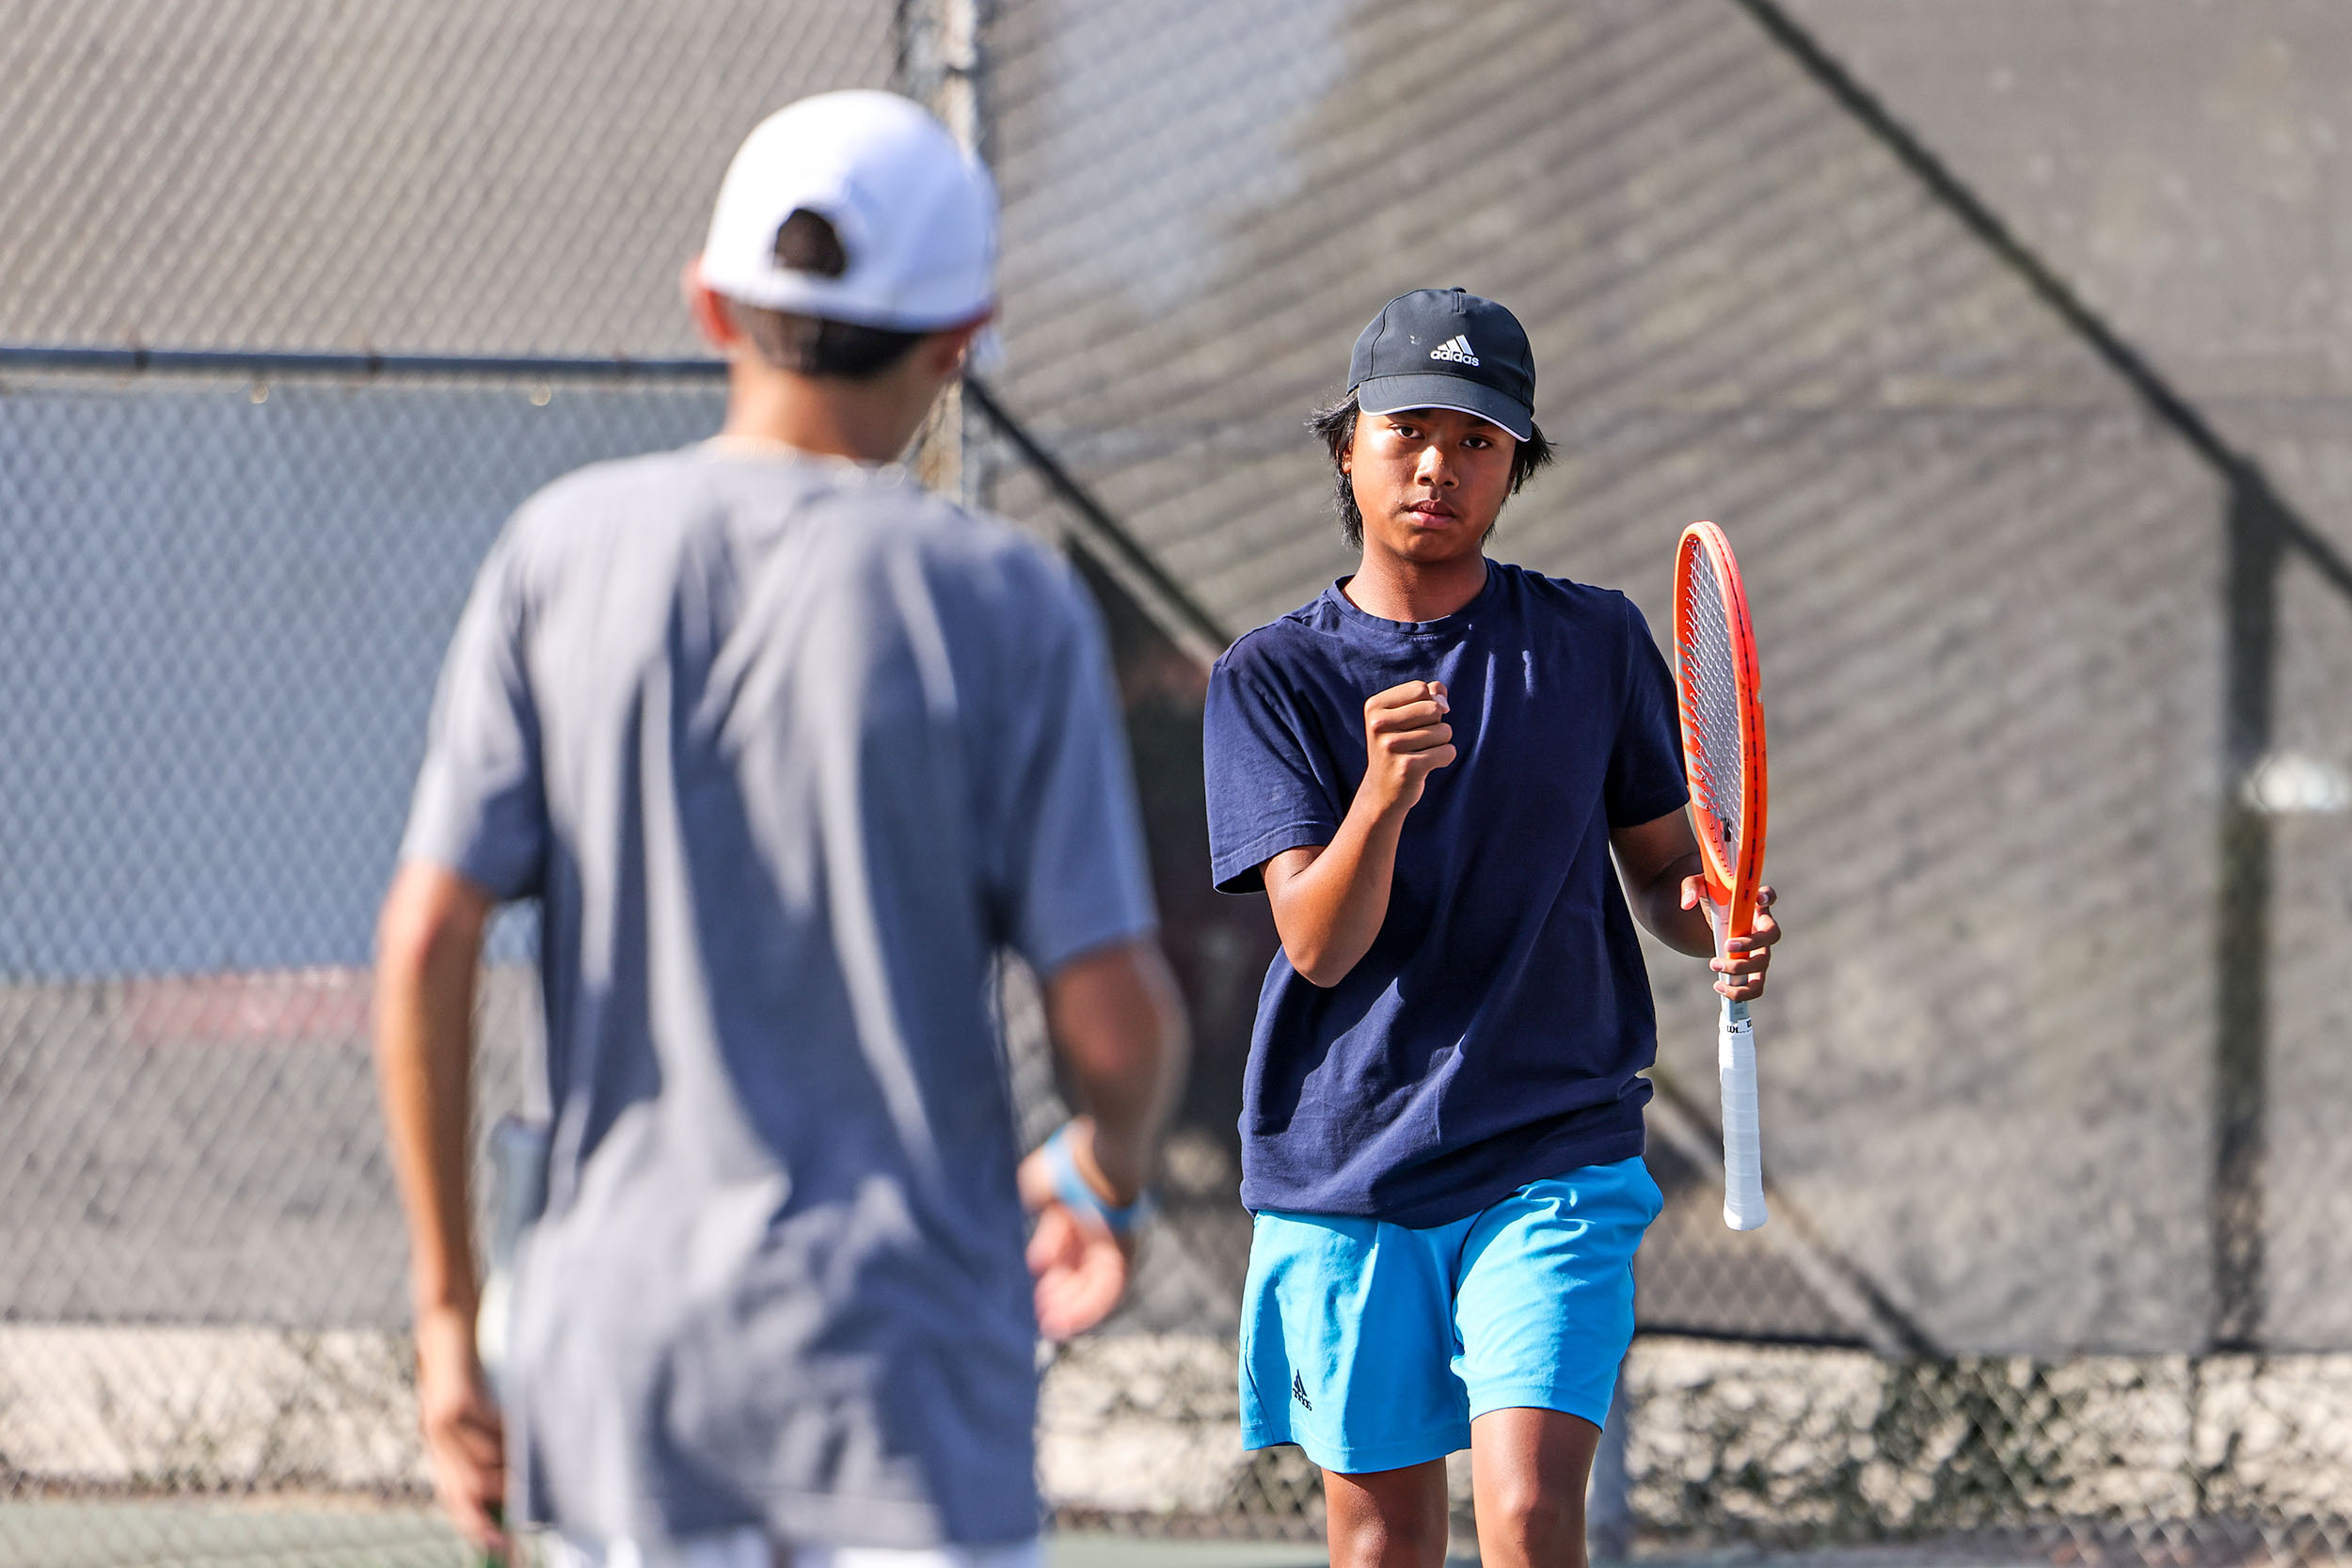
868 421
1396 589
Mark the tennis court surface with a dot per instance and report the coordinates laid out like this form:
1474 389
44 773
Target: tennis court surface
313 1533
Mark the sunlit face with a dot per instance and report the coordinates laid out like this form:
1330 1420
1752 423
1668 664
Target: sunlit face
1430 481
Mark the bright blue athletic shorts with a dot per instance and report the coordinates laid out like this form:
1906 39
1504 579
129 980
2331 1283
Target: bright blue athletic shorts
1373 1346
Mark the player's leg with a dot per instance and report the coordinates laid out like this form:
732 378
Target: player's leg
1544 1305
1528 1469
1386 1518
1347 1349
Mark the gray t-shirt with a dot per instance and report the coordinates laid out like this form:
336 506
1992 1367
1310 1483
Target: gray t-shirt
788 749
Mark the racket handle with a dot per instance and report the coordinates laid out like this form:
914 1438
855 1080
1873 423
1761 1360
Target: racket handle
1743 1158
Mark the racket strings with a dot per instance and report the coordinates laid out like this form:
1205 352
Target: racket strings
1710 698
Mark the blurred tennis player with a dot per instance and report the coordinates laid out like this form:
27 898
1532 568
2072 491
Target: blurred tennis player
786 749
1428 769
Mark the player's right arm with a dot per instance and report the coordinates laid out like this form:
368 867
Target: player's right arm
1329 899
1071 892
1116 1023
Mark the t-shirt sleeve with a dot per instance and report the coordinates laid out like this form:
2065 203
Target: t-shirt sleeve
480 807
1264 794
1073 875
1645 780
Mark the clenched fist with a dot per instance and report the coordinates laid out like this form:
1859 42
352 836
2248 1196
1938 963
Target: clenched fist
1405 740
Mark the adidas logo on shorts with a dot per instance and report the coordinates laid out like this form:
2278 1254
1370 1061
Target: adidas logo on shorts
1298 1390
1456 348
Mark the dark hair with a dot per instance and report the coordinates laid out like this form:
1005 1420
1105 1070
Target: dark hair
1334 424
811 345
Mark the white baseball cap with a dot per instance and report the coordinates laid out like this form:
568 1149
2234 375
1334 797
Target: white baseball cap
915 213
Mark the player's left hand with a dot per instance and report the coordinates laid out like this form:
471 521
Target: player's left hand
1740 973
1080 1267
463 1438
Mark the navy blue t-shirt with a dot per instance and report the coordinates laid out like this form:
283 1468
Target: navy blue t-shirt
1494 1032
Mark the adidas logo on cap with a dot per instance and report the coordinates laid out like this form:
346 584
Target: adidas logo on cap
1457 349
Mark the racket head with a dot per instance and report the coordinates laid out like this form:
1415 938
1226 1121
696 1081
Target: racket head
1722 722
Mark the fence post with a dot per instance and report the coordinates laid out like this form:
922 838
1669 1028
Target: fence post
2256 546
939 66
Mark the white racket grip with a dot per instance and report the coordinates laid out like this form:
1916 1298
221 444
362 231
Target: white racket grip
1743 1155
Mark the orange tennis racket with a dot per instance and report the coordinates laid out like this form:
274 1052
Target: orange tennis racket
1723 755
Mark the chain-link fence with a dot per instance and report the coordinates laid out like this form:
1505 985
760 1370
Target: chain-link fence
2056 677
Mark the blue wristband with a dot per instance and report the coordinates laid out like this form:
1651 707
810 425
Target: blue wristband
1073 1190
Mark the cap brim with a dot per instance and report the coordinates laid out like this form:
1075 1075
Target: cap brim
1389 394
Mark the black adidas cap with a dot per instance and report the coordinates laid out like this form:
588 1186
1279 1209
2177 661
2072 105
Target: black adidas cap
1446 348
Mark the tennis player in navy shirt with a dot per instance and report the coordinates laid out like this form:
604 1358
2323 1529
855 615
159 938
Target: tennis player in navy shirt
1429 770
